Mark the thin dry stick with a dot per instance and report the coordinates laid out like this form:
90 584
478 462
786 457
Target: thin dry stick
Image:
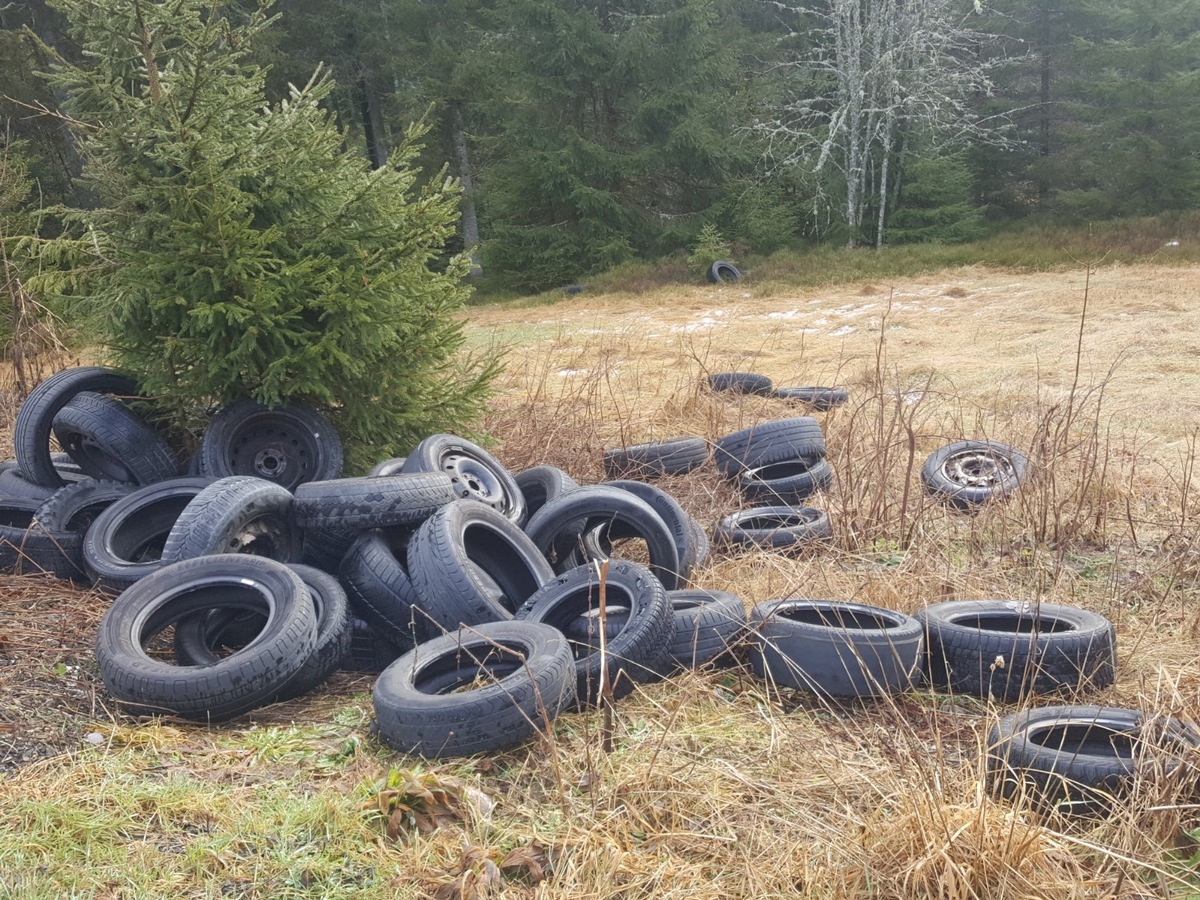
606 695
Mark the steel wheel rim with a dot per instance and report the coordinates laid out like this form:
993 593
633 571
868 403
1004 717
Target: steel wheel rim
978 469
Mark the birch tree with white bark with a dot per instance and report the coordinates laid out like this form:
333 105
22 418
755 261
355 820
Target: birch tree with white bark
885 79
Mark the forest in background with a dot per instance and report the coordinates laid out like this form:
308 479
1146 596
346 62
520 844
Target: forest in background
591 133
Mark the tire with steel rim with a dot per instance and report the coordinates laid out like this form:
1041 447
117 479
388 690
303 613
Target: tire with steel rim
239 514
288 445
477 690
476 474
1009 648
967 473
1077 759
834 648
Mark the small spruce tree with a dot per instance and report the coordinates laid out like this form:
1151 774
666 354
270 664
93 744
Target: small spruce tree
240 249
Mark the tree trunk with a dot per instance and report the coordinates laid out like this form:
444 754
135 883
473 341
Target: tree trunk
375 149
470 222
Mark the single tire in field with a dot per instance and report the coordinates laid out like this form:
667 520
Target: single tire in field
834 648
721 272
786 483
673 457
638 653
374 573
470 564
147 684
967 473
289 445
125 542
821 399
558 528
477 690
786 529
238 514
200 636
35 418
1081 759
541 484
740 383
107 440
1009 648
372 502
782 440
476 474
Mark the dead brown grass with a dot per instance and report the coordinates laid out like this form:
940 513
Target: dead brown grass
718 786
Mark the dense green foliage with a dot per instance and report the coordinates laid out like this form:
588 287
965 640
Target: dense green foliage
238 248
591 133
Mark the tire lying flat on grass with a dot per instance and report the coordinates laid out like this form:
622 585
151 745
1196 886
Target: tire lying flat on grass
1077 759
1009 648
967 473
782 440
785 529
834 648
477 690
149 685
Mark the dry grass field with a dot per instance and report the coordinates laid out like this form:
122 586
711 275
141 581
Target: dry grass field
717 786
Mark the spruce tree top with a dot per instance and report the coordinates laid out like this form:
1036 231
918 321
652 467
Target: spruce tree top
239 249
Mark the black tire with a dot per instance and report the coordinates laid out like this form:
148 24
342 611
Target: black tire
14 483
709 624
107 440
669 511
557 527
740 383
26 548
786 529
375 576
325 548
67 514
820 399
674 457
834 648
233 685
638 653
700 541
967 473
768 443
470 564
35 418
477 475
786 483
125 542
199 636
1078 759
238 514
373 502
478 690
289 445
393 466
541 484
1007 648
369 651
721 272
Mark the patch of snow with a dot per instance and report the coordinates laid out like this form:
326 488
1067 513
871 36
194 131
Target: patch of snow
845 329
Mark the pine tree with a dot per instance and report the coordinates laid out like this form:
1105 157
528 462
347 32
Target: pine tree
240 249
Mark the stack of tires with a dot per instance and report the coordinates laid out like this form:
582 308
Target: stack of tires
776 465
